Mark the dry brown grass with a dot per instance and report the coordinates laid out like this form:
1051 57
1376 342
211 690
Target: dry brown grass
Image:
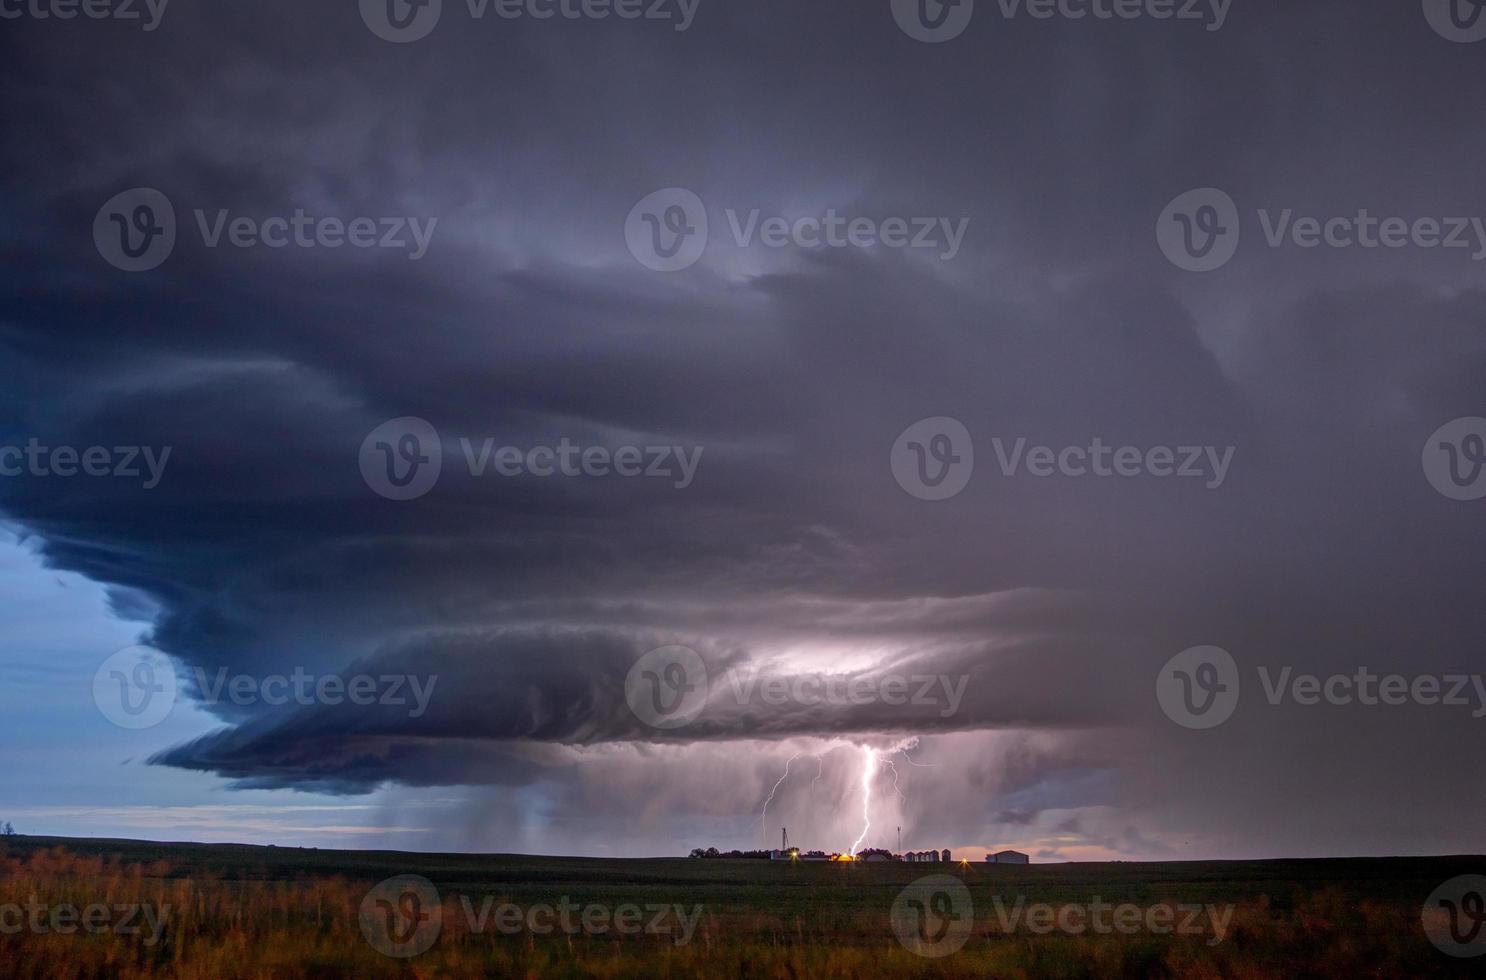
307 929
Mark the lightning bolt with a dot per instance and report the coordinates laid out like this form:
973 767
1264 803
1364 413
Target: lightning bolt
921 765
763 830
820 764
889 763
867 771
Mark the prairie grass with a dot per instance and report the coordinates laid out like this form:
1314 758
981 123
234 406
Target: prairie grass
225 923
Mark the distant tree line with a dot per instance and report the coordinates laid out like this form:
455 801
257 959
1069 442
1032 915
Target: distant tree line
713 852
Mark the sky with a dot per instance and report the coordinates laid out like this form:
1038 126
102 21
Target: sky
663 415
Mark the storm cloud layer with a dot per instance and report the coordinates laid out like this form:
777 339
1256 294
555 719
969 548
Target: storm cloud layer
794 552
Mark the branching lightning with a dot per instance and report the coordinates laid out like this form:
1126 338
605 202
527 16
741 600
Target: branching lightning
869 772
763 828
872 760
889 764
921 765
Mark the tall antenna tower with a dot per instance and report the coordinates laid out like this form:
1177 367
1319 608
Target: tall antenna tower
784 838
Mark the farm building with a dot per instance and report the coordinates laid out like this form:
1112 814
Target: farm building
1008 857
926 857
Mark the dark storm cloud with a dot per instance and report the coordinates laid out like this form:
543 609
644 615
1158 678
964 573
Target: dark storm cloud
490 691
528 322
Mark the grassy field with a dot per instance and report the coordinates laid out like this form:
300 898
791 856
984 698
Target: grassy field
220 912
